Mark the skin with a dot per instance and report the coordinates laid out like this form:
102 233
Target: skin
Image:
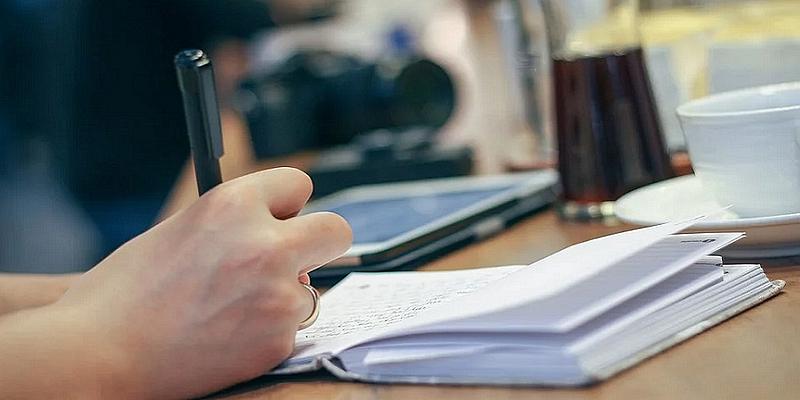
207 298
21 291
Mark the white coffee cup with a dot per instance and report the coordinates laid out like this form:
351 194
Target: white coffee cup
745 147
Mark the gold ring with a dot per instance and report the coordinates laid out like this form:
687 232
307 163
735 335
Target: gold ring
315 312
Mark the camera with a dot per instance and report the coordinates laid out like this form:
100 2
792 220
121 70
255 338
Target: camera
320 99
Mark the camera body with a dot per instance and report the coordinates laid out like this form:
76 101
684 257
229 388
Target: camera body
320 99
384 156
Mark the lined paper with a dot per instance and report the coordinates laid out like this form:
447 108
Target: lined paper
364 302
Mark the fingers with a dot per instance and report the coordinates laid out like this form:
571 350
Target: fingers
284 190
301 242
317 238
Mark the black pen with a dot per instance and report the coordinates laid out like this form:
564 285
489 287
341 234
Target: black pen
196 80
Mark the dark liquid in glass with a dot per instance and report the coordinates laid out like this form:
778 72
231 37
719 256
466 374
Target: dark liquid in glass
609 135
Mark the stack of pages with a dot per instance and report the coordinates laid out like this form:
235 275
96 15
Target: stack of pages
573 318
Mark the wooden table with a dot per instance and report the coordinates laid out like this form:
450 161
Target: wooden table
755 355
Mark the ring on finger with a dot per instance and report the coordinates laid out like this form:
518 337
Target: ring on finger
314 312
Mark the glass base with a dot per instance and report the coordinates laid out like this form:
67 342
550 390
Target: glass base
575 211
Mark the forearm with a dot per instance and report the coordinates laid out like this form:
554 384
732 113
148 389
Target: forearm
22 291
49 352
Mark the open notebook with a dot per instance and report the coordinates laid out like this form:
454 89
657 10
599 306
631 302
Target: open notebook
575 317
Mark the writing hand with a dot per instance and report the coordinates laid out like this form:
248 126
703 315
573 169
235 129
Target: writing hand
208 298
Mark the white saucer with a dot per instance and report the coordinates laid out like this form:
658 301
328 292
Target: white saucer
684 197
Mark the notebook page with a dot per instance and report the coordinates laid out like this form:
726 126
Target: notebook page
739 283
366 302
557 272
588 299
404 350
695 279
677 287
548 277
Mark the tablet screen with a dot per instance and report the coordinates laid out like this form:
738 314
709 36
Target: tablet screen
378 220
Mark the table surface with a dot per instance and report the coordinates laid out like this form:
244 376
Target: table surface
755 355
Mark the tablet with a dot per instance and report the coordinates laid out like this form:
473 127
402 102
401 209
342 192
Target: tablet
402 225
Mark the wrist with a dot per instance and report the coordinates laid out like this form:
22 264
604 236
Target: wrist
107 365
60 353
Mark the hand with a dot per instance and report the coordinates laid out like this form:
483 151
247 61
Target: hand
210 297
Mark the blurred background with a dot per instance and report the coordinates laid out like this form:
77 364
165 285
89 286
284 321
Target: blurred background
93 147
